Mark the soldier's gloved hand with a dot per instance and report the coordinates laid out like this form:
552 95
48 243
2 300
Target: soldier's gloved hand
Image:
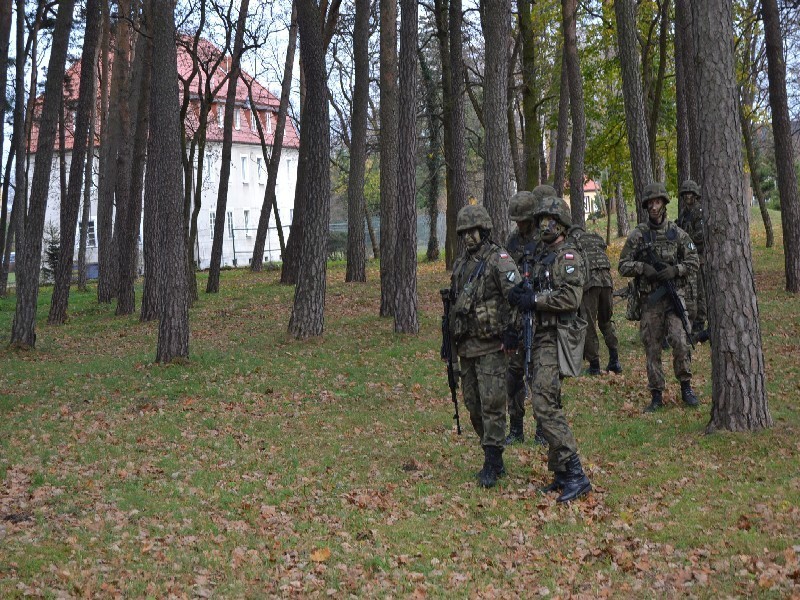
522 298
667 273
510 340
649 272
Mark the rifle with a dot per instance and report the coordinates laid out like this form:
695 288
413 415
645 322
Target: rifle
447 354
668 288
527 316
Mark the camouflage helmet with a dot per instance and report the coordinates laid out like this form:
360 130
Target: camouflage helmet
544 191
554 207
471 216
521 206
689 187
655 190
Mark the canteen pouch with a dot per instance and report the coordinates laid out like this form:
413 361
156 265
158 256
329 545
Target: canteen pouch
571 339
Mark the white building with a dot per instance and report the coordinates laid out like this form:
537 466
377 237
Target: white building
248 175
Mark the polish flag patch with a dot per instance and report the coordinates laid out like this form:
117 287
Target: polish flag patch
503 255
569 256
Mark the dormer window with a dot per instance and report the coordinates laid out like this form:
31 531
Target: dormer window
253 117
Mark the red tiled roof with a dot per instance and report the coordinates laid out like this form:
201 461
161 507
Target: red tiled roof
266 104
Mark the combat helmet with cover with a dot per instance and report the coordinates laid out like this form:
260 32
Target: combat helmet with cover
689 187
654 190
521 206
554 207
472 216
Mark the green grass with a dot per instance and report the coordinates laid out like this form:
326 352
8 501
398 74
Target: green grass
271 467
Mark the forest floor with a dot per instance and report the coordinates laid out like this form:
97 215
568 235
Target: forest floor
269 467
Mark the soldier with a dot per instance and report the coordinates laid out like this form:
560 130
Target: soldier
691 221
483 329
558 275
598 302
677 261
520 243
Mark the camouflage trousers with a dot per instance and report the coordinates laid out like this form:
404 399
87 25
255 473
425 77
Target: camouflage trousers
598 308
515 386
546 395
483 382
659 320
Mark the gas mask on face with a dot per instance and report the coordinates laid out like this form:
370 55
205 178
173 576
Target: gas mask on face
550 229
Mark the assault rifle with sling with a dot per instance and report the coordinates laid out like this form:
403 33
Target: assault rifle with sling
527 316
447 354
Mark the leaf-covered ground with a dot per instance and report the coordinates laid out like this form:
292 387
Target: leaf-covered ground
268 467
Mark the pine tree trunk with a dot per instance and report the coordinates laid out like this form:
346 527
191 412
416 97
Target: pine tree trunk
737 360
496 25
635 123
432 156
270 200
212 287
5 39
623 228
308 311
532 140
782 134
71 204
560 163
405 305
569 10
164 185
23 329
683 29
684 150
356 250
752 163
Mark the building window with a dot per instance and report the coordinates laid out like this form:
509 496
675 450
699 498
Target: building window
237 118
253 117
243 161
261 171
268 119
247 224
230 224
91 238
212 221
221 115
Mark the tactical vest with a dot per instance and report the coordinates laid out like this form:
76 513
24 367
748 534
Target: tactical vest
665 243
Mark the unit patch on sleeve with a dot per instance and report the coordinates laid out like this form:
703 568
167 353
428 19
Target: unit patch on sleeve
511 276
570 269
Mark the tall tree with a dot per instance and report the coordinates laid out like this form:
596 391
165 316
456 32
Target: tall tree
29 233
69 207
687 87
308 311
356 251
389 108
270 200
20 207
569 14
212 286
164 186
496 25
433 156
635 123
737 360
405 304
782 134
5 38
560 162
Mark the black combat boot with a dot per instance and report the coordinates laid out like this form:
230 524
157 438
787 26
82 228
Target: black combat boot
538 437
687 394
613 361
516 433
557 484
656 403
575 482
594 367
493 467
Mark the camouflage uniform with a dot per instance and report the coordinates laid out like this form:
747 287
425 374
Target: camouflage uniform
479 317
691 221
558 277
675 248
598 302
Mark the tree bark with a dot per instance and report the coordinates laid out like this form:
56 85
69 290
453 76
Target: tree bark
782 134
560 165
496 25
683 29
658 85
164 185
532 140
389 108
212 287
405 304
5 257
684 147
752 163
635 123
23 329
569 13
737 361
623 228
356 250
270 200
5 39
308 311
71 204
432 156
19 208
